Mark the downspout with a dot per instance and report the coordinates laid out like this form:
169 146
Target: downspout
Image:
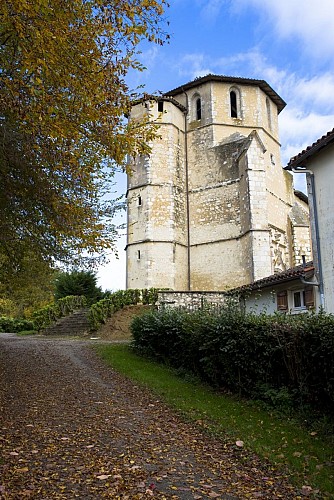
317 256
187 188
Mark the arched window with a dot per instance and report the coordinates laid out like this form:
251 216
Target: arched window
198 108
233 104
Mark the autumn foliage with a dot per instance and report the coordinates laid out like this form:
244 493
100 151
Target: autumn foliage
63 96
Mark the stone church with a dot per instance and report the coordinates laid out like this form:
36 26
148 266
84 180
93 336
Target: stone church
212 208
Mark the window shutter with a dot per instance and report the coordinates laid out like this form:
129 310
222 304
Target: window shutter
282 301
309 297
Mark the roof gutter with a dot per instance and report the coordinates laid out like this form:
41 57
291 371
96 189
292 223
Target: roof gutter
315 227
311 283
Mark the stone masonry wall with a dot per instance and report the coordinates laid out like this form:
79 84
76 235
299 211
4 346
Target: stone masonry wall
157 215
221 178
190 300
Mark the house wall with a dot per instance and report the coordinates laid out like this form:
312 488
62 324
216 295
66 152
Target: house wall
264 300
322 166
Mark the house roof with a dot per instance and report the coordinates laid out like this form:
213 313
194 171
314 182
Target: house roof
232 79
298 160
274 279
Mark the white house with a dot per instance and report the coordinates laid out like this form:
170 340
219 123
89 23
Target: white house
293 291
317 161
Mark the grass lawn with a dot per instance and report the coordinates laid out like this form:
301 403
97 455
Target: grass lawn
308 455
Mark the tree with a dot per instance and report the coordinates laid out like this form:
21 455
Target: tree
63 97
78 283
26 285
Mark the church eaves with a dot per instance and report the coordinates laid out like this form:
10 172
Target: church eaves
232 79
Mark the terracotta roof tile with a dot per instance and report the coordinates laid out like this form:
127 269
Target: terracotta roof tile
288 275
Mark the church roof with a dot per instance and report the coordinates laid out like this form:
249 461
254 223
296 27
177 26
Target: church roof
298 160
232 79
152 97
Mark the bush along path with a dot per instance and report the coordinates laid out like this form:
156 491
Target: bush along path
72 428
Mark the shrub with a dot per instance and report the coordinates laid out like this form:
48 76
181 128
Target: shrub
28 332
47 315
11 325
102 310
78 283
99 312
290 358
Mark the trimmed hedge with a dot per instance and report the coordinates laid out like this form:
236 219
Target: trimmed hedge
102 310
98 312
11 325
44 317
247 354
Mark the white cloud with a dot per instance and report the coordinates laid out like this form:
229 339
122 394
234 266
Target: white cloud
317 91
310 21
211 8
299 130
193 65
148 57
296 125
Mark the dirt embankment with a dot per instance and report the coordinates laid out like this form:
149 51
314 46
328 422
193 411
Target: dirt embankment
118 326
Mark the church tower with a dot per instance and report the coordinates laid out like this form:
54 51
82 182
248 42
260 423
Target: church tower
211 208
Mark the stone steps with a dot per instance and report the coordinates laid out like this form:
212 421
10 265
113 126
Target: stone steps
75 324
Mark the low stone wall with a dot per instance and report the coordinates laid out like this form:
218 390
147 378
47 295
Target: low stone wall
191 300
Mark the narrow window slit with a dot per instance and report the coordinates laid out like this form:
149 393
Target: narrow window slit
233 102
198 109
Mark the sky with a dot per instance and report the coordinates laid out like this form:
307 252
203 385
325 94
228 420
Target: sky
287 43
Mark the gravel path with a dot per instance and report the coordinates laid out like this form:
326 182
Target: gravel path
72 428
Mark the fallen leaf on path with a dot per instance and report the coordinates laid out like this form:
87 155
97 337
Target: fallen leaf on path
22 469
306 490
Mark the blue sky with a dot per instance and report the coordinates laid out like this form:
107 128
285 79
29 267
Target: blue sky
288 43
